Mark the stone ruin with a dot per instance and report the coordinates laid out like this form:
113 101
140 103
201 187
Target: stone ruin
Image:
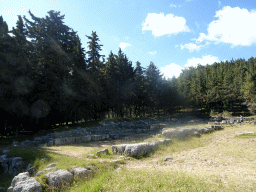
61 178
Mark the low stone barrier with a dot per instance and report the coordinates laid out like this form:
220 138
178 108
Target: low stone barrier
189 132
137 149
22 182
56 180
244 133
96 133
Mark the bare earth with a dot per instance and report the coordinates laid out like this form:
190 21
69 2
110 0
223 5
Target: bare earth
223 157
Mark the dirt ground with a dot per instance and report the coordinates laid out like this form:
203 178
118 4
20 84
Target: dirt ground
224 157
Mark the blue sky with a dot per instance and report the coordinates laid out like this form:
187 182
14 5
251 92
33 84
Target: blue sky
173 34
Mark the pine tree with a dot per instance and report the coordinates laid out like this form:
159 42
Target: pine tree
94 52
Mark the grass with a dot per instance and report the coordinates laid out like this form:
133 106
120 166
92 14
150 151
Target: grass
246 136
109 175
150 180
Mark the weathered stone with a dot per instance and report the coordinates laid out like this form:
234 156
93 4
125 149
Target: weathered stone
70 140
104 151
31 169
118 149
59 141
139 149
59 178
50 143
167 158
96 137
244 133
15 144
179 133
20 177
28 185
216 127
86 138
224 122
104 136
5 152
154 127
81 172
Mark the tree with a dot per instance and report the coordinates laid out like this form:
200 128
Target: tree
94 52
153 87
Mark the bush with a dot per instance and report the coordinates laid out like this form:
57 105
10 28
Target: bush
213 113
226 114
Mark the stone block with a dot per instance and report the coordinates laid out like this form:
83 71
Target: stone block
86 138
104 151
78 139
29 185
81 172
96 137
59 178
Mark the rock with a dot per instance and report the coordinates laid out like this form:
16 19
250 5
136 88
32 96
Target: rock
81 172
59 178
31 170
216 127
104 151
167 158
70 140
20 177
28 185
96 137
15 144
50 143
118 149
10 189
59 141
141 149
90 155
5 152
224 122
180 133
137 149
244 133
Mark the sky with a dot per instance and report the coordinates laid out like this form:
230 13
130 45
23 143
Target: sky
173 34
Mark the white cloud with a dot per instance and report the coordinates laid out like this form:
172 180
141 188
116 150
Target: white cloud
234 26
208 59
123 45
191 47
152 53
160 24
171 70
174 69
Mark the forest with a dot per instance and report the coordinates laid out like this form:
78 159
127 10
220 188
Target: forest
48 78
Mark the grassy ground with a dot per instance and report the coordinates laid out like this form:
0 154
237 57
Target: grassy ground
219 161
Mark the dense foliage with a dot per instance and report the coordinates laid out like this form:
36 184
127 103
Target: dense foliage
47 78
